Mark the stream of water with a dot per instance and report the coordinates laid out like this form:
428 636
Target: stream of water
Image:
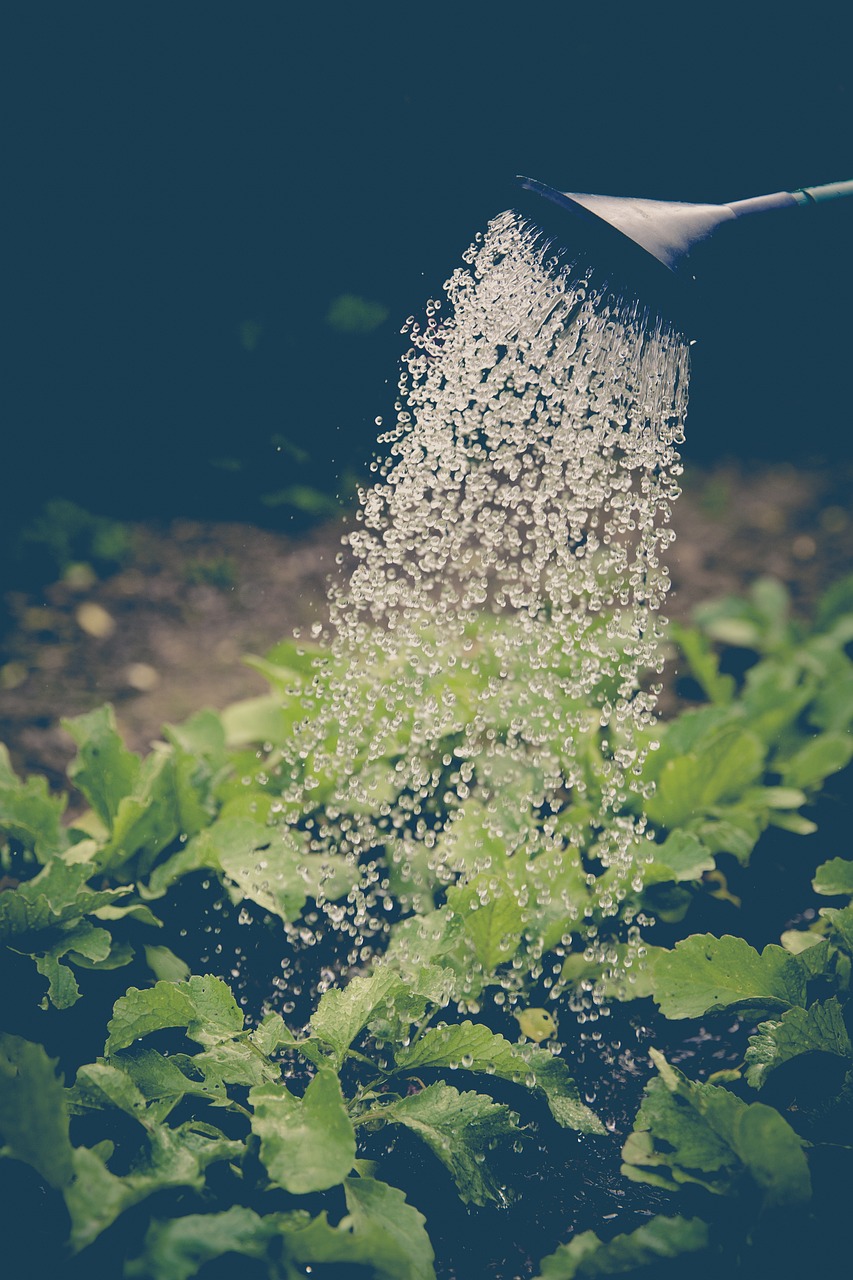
507 590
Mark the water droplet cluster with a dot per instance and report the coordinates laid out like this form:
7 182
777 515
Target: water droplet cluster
486 696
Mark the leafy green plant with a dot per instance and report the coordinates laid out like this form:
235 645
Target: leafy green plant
198 1131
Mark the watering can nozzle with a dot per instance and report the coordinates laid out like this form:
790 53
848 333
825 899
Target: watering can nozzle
668 230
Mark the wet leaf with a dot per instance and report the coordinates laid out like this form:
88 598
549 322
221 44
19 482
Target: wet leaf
704 974
474 1047
655 1241
700 1133
308 1143
205 1007
819 1029
33 1111
461 1129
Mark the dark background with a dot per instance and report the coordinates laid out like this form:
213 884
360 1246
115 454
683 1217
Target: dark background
191 185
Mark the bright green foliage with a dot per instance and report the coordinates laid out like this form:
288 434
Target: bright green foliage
381 998
33 1114
307 1144
462 1130
474 1048
704 974
515 884
656 1240
380 1231
59 894
204 1006
29 813
834 878
717 768
819 1029
701 1133
491 917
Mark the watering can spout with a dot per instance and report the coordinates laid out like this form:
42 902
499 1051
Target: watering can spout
669 230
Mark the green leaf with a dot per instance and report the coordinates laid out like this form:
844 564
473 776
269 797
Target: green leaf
825 754
163 1081
491 917
682 856
655 1241
381 1231
383 997
701 1133
164 964
33 1111
204 1006
840 921
819 1029
85 944
308 1143
57 895
179 1248
719 767
284 874
104 770
99 1086
834 877
474 1047
272 1034
29 813
704 662
169 798
177 1158
461 1129
704 974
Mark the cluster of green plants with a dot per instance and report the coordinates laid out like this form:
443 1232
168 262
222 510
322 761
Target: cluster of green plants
198 1132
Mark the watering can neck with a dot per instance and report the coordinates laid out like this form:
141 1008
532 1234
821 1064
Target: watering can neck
669 230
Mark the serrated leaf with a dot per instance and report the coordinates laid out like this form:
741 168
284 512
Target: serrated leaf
202 1005
103 769
655 1241
490 916
29 813
272 1034
381 1231
343 1013
819 1029
834 878
700 1133
474 1047
461 1129
283 875
704 974
164 1082
168 798
57 895
86 944
33 1111
308 1143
